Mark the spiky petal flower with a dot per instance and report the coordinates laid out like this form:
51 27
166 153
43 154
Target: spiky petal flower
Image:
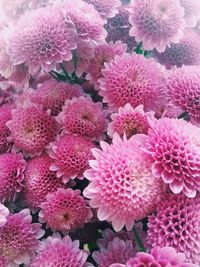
4 212
41 40
157 23
83 117
52 95
176 224
12 167
18 238
65 210
122 186
71 155
103 54
129 121
192 11
123 82
173 146
32 128
5 116
55 251
39 181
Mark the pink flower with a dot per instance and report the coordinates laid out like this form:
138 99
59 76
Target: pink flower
18 238
122 186
12 167
157 24
103 54
71 155
81 116
176 224
65 210
192 11
173 146
52 95
129 121
32 128
44 39
60 252
5 116
123 82
39 181
4 212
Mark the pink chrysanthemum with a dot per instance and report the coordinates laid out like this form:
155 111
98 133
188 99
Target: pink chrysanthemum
12 167
157 23
81 116
118 251
183 89
173 146
65 210
177 224
122 186
39 181
18 238
71 155
123 82
129 121
42 40
60 252
106 8
32 128
88 23
192 11
4 212
5 116
52 95
103 54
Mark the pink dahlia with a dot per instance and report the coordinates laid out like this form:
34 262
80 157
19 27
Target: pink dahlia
42 40
103 54
177 224
157 24
173 146
87 21
106 8
19 238
129 121
122 186
186 52
65 210
32 128
12 167
39 181
71 155
183 89
123 82
4 212
5 116
81 116
58 252
52 95
192 11
117 251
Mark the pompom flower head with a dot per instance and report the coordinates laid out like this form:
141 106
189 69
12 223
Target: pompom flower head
123 82
71 155
18 238
192 11
4 212
176 224
32 128
157 23
65 210
173 146
122 186
5 116
81 116
41 40
39 181
129 121
12 167
55 251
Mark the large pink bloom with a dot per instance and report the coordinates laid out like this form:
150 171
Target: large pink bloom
157 23
122 186
173 146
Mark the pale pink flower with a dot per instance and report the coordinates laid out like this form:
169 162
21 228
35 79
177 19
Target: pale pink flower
4 212
192 12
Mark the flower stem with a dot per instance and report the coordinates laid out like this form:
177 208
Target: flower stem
138 49
138 240
65 72
54 76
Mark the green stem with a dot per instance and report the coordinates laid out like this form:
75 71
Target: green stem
138 49
138 240
54 76
65 72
